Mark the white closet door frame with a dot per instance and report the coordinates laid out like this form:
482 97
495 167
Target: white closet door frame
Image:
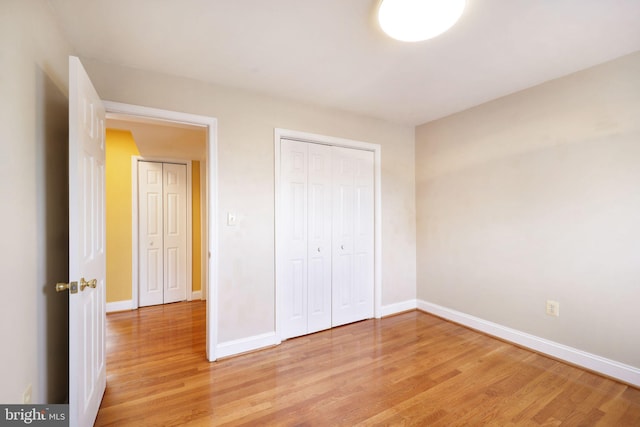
377 207
134 214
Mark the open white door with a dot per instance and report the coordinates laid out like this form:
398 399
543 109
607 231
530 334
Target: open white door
87 365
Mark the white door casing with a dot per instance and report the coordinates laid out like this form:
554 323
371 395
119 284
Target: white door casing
117 109
163 218
87 365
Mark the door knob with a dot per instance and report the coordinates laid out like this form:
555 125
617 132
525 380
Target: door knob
72 286
91 283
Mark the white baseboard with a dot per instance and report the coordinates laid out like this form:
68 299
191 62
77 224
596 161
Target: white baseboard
119 306
196 295
604 366
243 345
398 307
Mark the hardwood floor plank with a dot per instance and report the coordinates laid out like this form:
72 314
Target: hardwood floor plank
409 369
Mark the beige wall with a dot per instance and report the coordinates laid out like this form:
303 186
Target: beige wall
34 210
536 196
246 125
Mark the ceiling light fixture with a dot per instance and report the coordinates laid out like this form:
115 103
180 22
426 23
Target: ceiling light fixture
417 20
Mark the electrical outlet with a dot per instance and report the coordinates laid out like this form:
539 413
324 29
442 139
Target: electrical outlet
553 308
26 396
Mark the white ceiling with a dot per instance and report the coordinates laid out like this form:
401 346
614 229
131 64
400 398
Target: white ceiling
157 138
332 53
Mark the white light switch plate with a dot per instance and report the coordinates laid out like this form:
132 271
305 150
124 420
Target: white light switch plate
231 218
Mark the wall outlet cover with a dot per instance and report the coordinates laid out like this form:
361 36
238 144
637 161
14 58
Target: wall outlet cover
553 308
26 396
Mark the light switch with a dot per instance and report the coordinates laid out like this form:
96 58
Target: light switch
231 218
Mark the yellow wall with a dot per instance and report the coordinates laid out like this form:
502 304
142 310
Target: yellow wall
196 241
120 147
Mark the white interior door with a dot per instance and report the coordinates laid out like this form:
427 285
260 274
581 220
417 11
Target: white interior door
352 236
87 365
151 230
162 228
175 232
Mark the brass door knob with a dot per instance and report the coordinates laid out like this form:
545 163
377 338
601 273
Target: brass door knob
72 286
90 284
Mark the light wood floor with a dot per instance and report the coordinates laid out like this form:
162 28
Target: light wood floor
410 369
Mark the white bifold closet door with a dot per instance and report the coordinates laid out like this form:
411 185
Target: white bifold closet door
162 210
352 236
326 259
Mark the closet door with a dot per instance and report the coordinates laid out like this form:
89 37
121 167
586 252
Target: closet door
292 295
175 232
304 302
352 237
162 225
325 258
151 231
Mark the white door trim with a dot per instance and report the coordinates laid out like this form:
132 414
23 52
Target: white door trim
135 243
116 109
377 206
203 227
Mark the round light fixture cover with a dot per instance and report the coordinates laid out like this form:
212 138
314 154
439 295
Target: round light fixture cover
417 20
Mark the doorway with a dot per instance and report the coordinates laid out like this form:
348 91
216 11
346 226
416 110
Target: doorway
138 117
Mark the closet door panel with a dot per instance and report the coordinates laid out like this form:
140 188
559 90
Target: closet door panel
352 278
343 229
319 238
175 232
150 233
293 270
363 243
